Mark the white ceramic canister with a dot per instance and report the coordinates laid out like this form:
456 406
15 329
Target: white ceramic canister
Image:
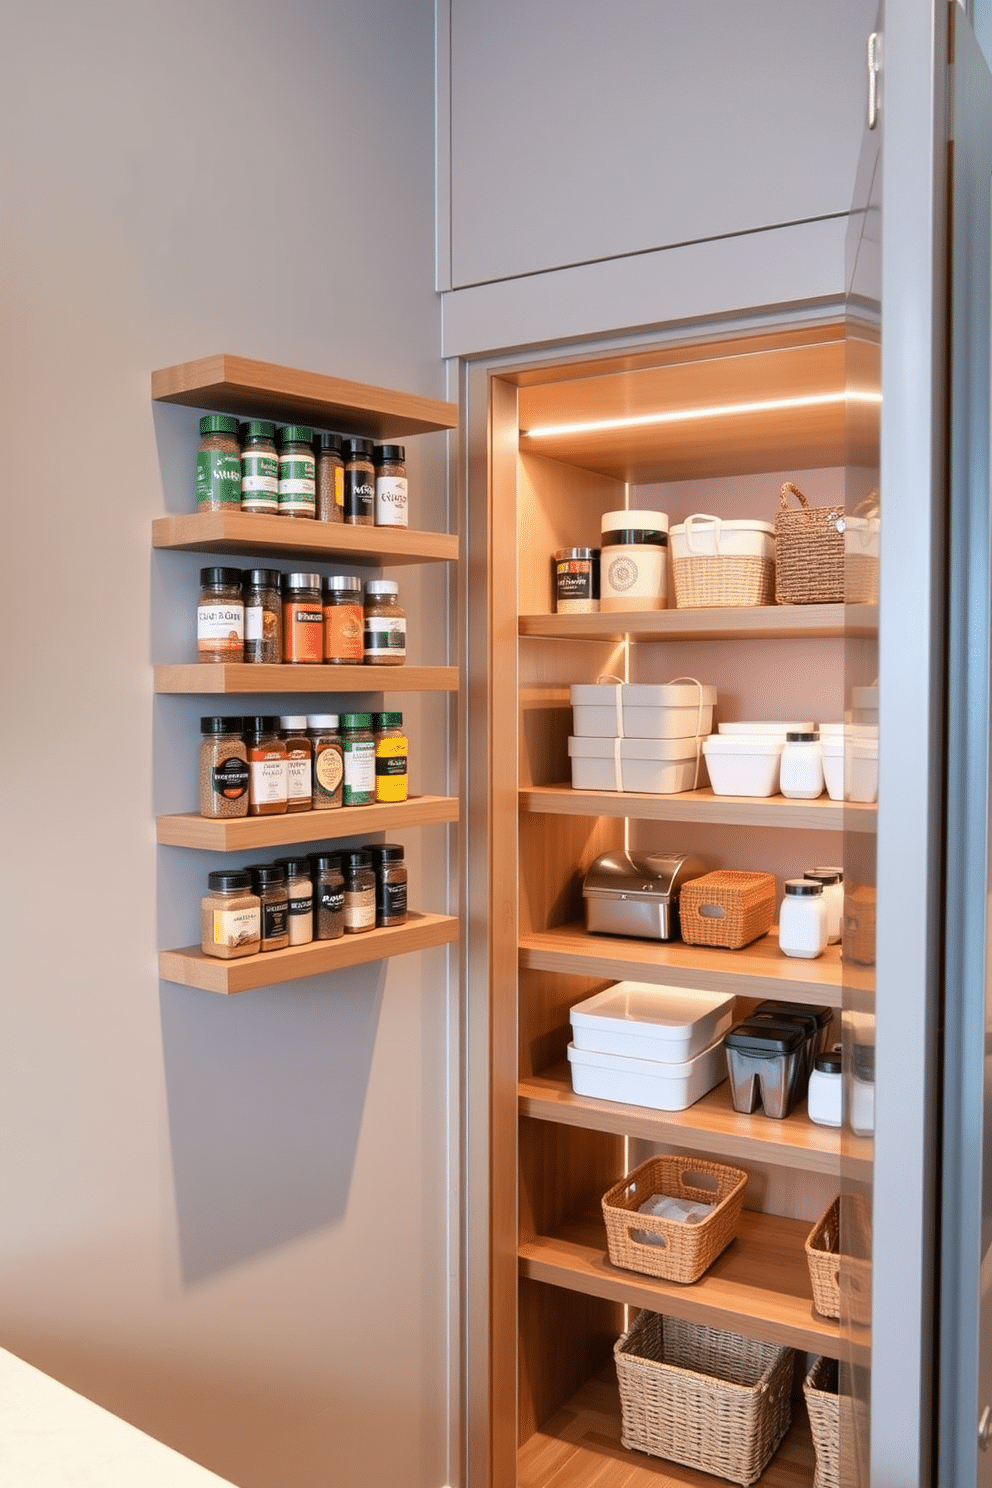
801 769
633 563
802 921
826 1085
832 880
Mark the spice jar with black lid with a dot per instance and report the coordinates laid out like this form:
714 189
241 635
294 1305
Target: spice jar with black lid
267 767
359 891
359 483
297 472
220 616
259 469
269 882
263 615
330 478
302 619
230 916
218 464
385 624
328 896
390 883
390 485
300 890
223 768
299 762
328 761
344 620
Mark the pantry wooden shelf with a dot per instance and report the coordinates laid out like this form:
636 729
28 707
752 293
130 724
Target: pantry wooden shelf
244 678
711 1125
241 533
239 385
191 968
822 815
759 1286
755 622
759 970
189 829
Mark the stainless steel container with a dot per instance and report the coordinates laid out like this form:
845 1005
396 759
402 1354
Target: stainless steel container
637 893
767 1066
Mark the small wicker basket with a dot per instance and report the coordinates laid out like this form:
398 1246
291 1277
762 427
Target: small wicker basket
833 1272
809 551
822 1393
823 1259
727 908
708 582
675 1251
709 1399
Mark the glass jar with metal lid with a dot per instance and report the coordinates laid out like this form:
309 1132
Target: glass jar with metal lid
263 615
359 483
259 469
218 464
389 461
220 616
230 916
358 749
328 895
344 620
269 882
297 472
359 891
267 767
330 478
390 872
328 760
302 619
385 624
577 581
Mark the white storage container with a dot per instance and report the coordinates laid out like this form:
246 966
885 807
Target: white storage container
635 710
772 726
641 1021
647 1082
861 768
703 536
743 765
832 749
661 767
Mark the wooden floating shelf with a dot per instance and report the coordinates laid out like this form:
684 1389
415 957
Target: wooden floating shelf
228 834
244 678
759 970
755 622
822 815
239 385
711 1125
759 1286
191 968
241 532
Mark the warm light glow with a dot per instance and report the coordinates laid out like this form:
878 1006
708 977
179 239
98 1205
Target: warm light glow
684 415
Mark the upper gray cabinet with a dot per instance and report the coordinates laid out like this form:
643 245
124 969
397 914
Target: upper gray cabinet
581 131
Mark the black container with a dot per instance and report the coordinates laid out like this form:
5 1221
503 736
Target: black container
766 1063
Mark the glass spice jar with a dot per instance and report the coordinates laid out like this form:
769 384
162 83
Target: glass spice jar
384 642
300 890
328 761
267 767
259 469
359 891
344 620
269 882
392 780
299 762
328 896
302 619
220 616
218 464
390 883
359 483
230 916
358 750
297 472
330 478
390 485
263 615
223 768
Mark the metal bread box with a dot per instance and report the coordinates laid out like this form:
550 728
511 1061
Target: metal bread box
637 893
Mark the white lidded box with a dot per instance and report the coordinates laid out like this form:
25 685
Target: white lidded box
832 750
659 767
861 768
647 1082
756 728
636 710
743 764
703 536
639 1020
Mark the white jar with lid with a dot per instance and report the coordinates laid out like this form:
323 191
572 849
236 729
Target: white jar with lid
801 768
802 922
633 563
832 880
826 1084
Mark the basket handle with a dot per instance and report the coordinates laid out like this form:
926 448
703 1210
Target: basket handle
701 517
790 489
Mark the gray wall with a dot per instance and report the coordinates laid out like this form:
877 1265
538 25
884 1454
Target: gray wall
224 1219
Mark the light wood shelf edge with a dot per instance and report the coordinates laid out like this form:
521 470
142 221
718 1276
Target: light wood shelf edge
243 533
755 622
822 815
189 829
244 678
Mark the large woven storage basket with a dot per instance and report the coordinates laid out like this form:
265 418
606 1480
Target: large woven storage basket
821 1390
674 1251
706 582
709 1399
728 908
809 551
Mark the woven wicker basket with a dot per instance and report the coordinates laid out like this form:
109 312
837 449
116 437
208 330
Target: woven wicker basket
833 1271
821 1390
809 551
823 1259
706 1398
707 582
747 902
859 925
676 1251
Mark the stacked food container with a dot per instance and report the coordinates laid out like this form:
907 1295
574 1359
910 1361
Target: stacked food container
637 736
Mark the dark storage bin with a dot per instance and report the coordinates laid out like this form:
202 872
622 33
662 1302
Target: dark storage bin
766 1062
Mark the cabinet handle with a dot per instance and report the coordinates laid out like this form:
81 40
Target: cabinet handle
874 68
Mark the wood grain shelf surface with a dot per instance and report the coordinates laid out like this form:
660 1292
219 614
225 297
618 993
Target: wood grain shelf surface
579 1447
759 1286
191 968
753 622
241 532
759 970
711 1125
821 815
244 678
189 829
240 385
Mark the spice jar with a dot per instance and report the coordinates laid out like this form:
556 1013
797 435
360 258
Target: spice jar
577 581
359 891
359 483
802 923
344 620
269 882
633 564
832 880
300 890
297 472
385 624
390 485
299 762
328 762
259 468
302 618
328 896
263 615
230 916
801 767
358 749
267 767
218 464
826 1089
390 883
392 780
220 616
223 768
330 478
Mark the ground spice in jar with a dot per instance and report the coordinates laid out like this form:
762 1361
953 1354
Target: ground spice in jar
297 472
269 882
328 761
300 891
302 619
390 485
220 616
230 916
218 464
344 620
267 767
390 883
328 896
359 891
384 642
299 762
359 483
263 615
223 768
330 478
358 749
392 780
259 469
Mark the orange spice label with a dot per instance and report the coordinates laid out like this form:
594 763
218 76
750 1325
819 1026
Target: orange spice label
302 632
343 632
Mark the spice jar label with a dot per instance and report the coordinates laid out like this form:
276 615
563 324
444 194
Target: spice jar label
220 622
230 778
359 910
391 778
391 501
394 900
332 900
343 632
218 478
303 632
384 635
275 920
236 927
328 769
359 772
298 776
268 778
259 475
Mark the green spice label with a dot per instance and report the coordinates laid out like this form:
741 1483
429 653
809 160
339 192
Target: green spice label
259 474
218 479
359 772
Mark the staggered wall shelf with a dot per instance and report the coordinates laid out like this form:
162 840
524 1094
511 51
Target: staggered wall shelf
821 815
244 678
754 622
292 537
189 829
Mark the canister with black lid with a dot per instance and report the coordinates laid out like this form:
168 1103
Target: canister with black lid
633 561
223 768
390 485
263 615
328 895
826 1089
359 483
359 891
268 881
766 1062
220 616
802 920
577 581
814 1021
390 882
330 478
832 880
